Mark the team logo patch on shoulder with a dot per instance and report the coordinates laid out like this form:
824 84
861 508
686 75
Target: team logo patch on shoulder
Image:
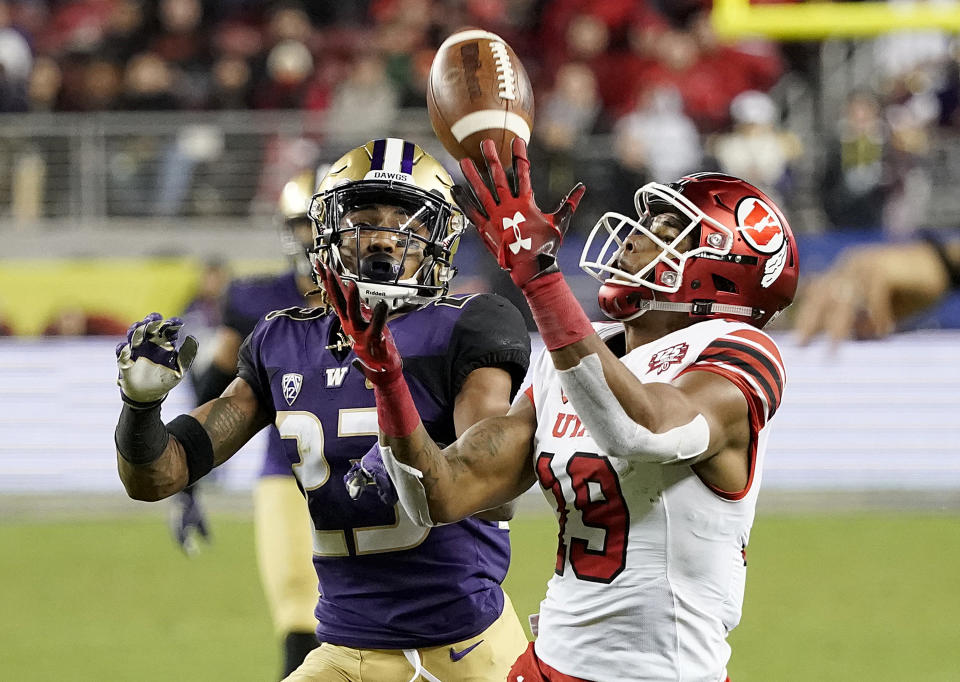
760 225
291 382
664 359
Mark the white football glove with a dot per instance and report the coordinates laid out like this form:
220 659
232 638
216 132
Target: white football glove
149 362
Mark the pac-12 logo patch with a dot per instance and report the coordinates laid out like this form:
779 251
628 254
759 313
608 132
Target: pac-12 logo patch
662 360
760 225
291 383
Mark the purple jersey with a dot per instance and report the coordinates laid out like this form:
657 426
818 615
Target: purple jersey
386 583
246 302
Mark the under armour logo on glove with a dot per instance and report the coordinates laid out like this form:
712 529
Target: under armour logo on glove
514 224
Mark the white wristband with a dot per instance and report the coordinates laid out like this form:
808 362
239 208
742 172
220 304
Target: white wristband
408 482
613 429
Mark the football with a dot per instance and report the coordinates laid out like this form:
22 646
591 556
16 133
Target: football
478 89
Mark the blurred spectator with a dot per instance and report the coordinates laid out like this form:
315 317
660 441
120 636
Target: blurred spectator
44 88
364 104
231 84
571 108
182 42
288 21
102 85
909 125
289 66
16 61
856 178
125 32
757 149
658 136
148 84
77 322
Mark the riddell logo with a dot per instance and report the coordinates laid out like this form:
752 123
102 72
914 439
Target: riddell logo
663 360
759 225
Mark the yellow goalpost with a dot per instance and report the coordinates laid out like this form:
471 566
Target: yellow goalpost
734 19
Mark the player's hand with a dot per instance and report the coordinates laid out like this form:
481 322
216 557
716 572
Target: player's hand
868 291
371 338
523 238
150 364
369 472
188 522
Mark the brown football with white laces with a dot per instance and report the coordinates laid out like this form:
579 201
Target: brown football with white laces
478 89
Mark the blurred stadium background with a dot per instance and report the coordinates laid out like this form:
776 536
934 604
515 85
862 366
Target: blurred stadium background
143 144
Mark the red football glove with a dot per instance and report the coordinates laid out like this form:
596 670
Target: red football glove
377 354
371 338
523 239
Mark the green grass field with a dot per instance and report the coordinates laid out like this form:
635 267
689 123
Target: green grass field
848 597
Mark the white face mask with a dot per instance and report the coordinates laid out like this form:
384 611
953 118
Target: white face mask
610 236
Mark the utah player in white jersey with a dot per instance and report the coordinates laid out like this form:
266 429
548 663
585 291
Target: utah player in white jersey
647 438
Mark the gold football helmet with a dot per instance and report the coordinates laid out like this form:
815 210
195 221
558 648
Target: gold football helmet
293 220
392 191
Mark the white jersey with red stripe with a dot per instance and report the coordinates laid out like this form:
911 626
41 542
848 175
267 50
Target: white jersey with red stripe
651 561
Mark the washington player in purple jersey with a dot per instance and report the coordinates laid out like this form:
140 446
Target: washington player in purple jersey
280 516
396 599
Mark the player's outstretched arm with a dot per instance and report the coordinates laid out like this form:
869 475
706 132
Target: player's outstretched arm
623 414
489 464
155 461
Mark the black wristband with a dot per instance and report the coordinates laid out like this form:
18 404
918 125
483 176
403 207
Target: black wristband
936 243
140 436
196 446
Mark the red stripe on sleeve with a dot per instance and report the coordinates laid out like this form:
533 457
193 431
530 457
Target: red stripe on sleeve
529 394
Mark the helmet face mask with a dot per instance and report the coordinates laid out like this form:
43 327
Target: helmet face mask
726 252
393 232
668 224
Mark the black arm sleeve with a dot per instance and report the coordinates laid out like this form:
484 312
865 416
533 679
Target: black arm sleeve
140 436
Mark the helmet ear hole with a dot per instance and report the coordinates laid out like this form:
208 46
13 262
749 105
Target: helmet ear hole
724 284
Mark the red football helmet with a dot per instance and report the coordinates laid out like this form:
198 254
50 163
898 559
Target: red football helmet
741 259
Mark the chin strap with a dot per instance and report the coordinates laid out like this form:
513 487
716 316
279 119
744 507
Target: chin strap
695 308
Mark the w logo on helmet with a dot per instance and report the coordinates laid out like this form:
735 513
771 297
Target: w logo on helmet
759 225
514 224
